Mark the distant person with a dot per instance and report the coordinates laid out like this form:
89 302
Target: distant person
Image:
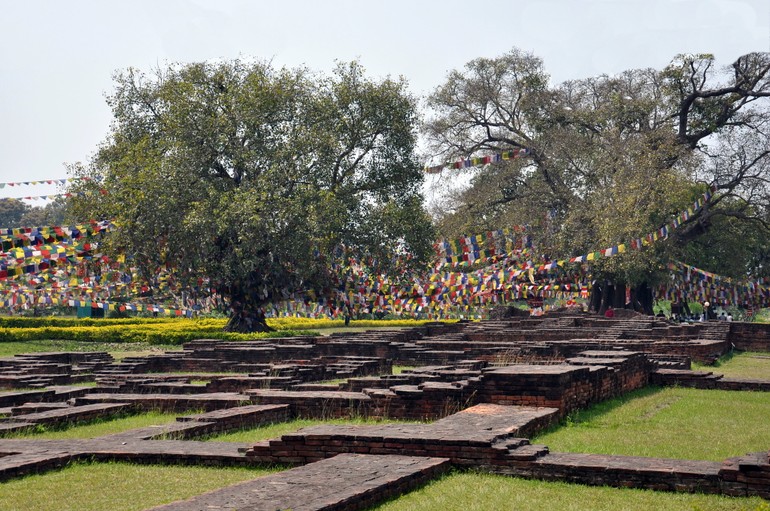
729 317
609 313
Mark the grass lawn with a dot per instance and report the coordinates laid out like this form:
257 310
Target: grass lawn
101 427
668 423
115 486
741 365
483 492
118 350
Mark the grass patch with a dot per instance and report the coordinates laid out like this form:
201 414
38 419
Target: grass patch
108 426
481 492
748 365
668 423
335 381
762 316
401 369
117 350
116 486
283 428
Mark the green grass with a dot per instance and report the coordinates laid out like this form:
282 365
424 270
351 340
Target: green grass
115 486
762 316
282 428
668 423
740 365
483 492
117 350
401 369
335 381
100 427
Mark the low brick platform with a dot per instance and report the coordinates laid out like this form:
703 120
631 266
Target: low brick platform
706 380
19 397
203 424
315 403
345 482
21 457
620 471
473 437
170 402
61 415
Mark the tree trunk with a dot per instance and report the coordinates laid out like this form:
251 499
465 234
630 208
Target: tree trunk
246 314
247 321
606 294
595 300
641 296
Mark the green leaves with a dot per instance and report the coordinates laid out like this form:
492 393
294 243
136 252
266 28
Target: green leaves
252 175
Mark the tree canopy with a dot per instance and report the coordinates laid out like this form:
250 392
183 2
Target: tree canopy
612 158
259 178
12 211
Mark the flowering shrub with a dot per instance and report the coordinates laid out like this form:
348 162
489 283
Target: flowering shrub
165 330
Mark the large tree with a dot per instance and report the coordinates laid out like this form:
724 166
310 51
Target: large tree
255 177
611 158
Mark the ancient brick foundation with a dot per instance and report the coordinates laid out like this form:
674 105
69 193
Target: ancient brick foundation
486 385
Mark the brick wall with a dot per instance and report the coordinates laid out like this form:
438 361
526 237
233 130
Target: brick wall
750 336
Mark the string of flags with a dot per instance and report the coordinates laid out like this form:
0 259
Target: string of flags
638 243
59 181
42 266
688 283
486 246
38 235
102 191
477 161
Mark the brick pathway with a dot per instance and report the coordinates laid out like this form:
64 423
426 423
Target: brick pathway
345 482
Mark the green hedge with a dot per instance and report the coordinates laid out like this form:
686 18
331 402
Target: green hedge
68 322
132 333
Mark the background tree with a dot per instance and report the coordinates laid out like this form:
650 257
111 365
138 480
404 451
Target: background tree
55 212
11 212
611 157
254 177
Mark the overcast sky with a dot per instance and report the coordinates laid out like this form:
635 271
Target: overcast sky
57 57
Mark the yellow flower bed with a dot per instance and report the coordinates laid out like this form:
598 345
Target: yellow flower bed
165 330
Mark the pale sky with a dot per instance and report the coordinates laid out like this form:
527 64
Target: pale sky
57 57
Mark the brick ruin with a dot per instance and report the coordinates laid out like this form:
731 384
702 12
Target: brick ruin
486 386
